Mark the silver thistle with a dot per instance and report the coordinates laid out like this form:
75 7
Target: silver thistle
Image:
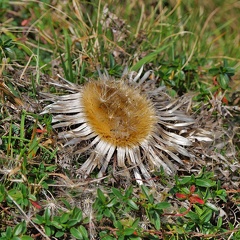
128 120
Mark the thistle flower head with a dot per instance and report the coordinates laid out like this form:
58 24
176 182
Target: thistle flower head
125 122
117 113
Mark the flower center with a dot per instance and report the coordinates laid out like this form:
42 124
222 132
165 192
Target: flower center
118 113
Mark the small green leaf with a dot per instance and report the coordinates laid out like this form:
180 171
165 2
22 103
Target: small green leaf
76 233
212 206
223 80
101 195
207 194
135 223
129 192
51 168
120 236
132 204
118 224
150 57
219 223
104 236
48 230
162 205
83 231
66 203
231 226
230 71
185 180
10 53
206 215
181 75
128 231
32 197
39 219
16 195
15 238
117 193
56 224
64 218
146 193
137 238
193 216
47 214
172 92
2 193
18 229
77 214
59 234
72 222
25 237
109 213
214 71
205 183
112 202
198 210
156 220
111 60
221 193
8 232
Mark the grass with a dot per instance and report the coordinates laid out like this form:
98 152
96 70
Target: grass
192 46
